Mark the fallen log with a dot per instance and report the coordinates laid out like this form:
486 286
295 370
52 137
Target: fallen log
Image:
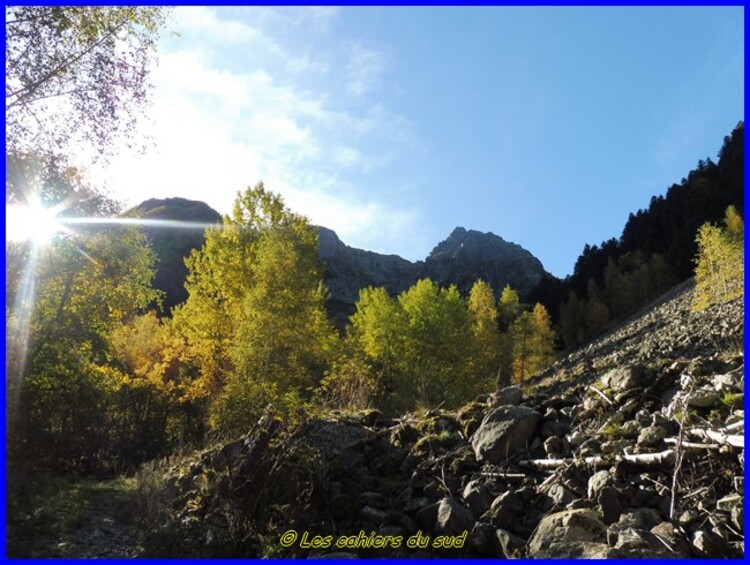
719 436
602 461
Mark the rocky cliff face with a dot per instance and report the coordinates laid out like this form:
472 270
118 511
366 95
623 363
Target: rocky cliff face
463 258
347 270
630 446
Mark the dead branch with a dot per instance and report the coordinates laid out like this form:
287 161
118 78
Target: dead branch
692 445
601 461
600 393
509 476
719 436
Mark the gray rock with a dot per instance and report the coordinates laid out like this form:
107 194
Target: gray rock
575 550
631 428
738 517
671 536
610 504
643 418
553 428
477 498
623 378
597 482
731 382
703 398
633 542
560 495
728 502
504 510
373 514
617 447
427 517
708 544
503 431
416 504
510 395
576 439
553 446
568 526
481 539
374 499
508 545
651 436
453 518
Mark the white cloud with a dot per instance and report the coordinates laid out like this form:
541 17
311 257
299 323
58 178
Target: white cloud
202 21
364 69
220 127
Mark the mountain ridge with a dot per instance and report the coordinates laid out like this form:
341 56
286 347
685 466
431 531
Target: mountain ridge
464 257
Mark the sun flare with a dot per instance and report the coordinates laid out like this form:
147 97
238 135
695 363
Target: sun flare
32 222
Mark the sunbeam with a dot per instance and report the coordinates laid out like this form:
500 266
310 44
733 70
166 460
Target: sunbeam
18 332
36 225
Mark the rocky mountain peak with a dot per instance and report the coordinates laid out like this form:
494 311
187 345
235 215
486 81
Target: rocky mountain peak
463 258
471 242
468 255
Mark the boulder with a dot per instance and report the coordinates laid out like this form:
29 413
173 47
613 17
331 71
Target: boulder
597 482
510 395
505 509
508 545
453 518
575 527
502 432
481 539
477 498
574 550
651 436
427 517
623 378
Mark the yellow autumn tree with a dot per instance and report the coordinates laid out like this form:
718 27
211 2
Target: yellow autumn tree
533 343
719 269
254 322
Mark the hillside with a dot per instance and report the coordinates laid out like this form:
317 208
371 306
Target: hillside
631 446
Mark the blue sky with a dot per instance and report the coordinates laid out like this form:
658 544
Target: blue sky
392 126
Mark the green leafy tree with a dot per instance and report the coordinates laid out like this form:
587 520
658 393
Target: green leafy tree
435 344
83 287
377 329
483 317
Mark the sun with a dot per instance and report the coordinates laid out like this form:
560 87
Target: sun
32 222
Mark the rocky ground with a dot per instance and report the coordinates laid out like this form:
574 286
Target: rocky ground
631 446
65 517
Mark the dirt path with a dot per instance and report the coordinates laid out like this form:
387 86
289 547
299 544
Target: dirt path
56 517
